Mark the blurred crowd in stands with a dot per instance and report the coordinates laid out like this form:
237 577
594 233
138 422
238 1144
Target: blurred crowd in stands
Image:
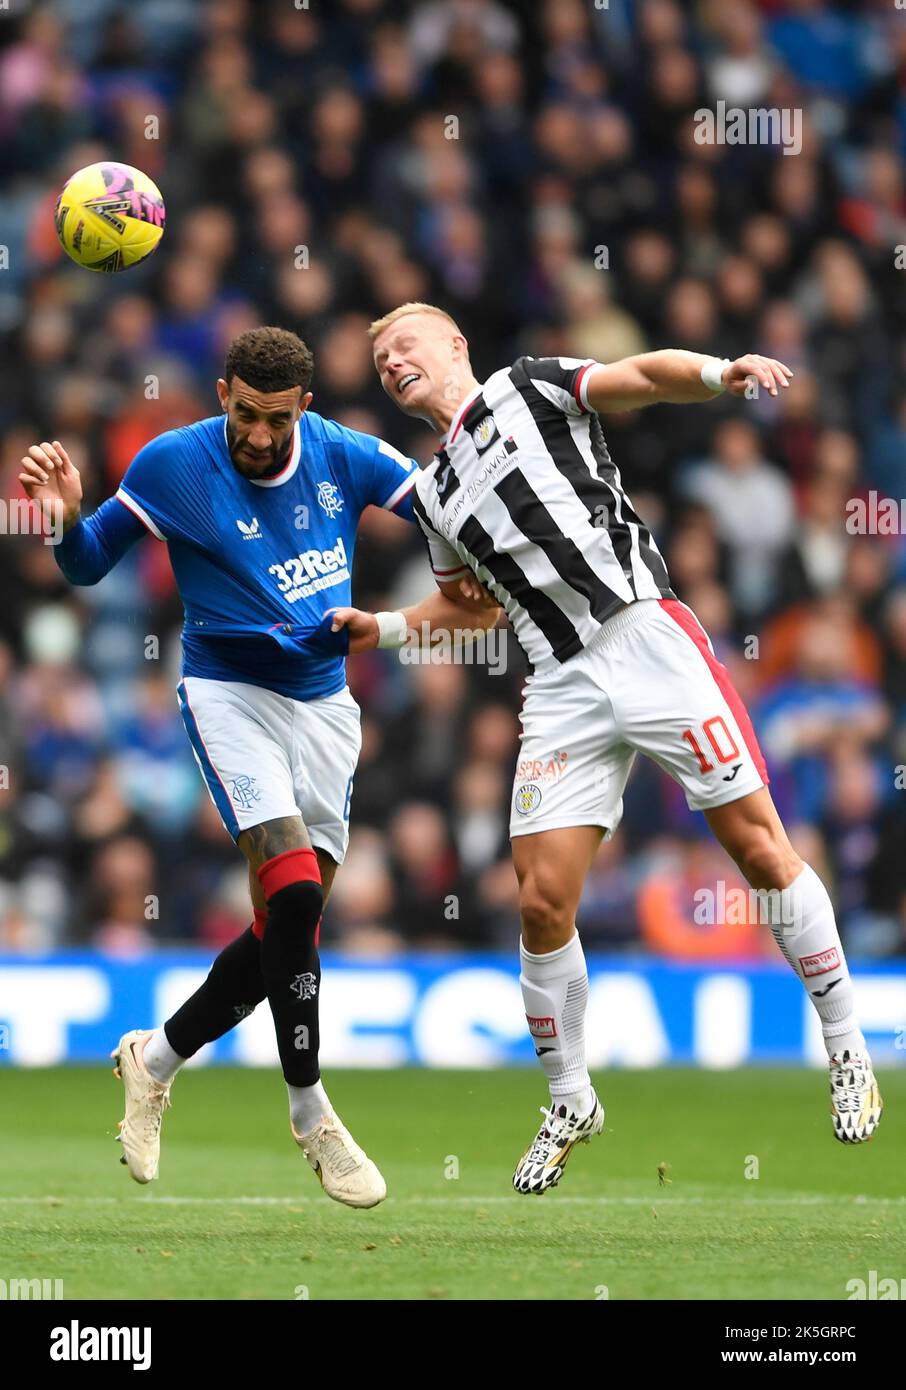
532 166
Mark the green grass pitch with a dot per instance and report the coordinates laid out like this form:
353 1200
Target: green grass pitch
237 1213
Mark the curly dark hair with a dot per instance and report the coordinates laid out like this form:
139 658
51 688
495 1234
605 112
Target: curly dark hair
269 359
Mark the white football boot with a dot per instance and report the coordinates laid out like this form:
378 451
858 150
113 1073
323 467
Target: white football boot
856 1104
542 1164
146 1101
344 1170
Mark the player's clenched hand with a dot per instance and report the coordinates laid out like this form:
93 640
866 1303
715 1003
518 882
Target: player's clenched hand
473 590
767 371
50 478
362 628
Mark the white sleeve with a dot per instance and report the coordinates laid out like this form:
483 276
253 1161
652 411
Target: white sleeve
562 380
446 563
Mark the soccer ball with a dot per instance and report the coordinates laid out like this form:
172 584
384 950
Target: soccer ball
109 216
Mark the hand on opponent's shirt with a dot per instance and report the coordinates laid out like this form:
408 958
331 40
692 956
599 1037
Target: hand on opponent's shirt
360 627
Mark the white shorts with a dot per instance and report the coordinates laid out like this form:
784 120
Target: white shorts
264 755
649 682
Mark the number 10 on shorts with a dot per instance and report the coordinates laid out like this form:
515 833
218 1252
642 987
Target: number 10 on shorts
719 737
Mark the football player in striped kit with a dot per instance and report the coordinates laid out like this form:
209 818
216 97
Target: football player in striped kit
523 493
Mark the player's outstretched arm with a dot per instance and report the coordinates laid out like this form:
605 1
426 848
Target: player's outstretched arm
678 377
88 549
457 610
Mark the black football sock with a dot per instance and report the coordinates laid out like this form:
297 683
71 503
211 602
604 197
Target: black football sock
234 986
289 959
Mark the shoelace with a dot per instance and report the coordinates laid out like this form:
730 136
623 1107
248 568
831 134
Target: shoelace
848 1083
544 1139
343 1158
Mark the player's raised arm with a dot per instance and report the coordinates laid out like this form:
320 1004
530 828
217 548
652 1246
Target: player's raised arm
676 376
89 549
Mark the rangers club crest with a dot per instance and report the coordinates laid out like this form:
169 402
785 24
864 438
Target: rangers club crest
304 986
329 498
245 791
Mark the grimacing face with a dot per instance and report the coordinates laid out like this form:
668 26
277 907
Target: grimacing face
260 425
420 360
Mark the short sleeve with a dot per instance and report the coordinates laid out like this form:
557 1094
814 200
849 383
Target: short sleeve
384 477
561 380
446 563
150 485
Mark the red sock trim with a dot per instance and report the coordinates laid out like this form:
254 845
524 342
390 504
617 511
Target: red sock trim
259 923
292 866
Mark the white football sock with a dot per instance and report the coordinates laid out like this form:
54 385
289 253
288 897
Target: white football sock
555 993
803 925
306 1106
160 1060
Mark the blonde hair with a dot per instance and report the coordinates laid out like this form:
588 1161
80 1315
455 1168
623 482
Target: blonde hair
412 308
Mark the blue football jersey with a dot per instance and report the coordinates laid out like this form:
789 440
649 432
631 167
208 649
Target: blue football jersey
258 563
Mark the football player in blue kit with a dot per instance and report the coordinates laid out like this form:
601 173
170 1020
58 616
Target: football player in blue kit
259 509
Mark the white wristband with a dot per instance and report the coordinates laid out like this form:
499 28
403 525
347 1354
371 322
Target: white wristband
712 370
392 629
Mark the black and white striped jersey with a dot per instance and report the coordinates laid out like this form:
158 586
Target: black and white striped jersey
523 491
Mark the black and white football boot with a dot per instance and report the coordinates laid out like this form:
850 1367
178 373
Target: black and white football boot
542 1164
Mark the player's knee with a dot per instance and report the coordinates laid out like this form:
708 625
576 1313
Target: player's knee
547 919
295 898
768 861
294 910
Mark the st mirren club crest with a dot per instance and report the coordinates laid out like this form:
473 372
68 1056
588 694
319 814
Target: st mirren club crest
304 986
527 798
484 433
